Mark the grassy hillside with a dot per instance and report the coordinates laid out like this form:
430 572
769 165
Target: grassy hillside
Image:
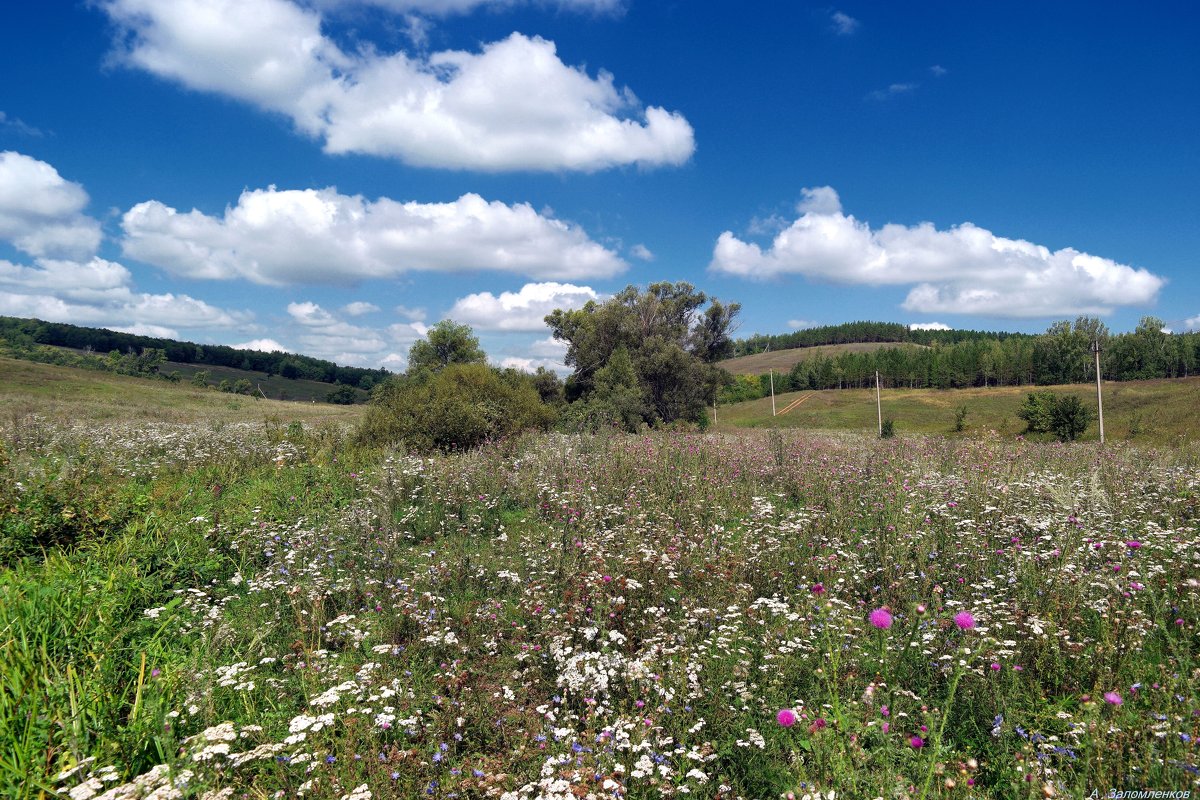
784 360
68 393
1159 412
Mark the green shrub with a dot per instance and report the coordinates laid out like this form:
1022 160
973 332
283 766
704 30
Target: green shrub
1036 411
888 429
1069 418
460 407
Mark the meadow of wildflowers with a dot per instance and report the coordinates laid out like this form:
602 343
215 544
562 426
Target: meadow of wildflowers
264 611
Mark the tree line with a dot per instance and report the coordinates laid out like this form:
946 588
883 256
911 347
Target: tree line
957 359
21 337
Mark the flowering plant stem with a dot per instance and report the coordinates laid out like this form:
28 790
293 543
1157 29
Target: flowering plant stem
937 737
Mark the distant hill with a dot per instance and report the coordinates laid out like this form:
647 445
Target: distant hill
1155 412
20 336
783 360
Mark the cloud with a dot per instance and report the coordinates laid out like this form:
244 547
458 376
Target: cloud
893 90
524 310
929 326
532 365
19 126
1192 323
412 314
549 348
97 292
41 212
512 105
262 345
323 334
157 331
279 237
801 324
641 252
938 70
963 270
357 309
844 24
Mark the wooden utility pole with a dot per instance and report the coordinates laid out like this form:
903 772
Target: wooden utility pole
878 405
772 392
1099 395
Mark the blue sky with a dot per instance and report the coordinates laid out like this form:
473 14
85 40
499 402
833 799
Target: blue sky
332 176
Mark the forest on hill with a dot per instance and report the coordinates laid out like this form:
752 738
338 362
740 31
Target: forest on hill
952 359
22 338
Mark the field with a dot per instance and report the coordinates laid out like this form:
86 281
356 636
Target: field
194 605
784 360
1155 412
55 392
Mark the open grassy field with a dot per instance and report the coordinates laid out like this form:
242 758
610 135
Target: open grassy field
1157 412
784 360
199 604
67 393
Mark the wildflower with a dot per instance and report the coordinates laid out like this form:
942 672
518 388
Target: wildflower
995 666
1133 545
818 589
1113 698
885 727
817 725
964 620
786 717
881 618
917 742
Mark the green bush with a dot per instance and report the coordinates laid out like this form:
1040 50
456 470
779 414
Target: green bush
888 429
1036 411
1069 418
460 407
1066 417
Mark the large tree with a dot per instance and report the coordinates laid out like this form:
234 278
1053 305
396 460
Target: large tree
446 343
659 337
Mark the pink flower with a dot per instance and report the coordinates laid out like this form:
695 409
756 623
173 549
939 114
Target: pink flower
818 589
786 717
1114 698
964 620
885 727
917 742
881 618
995 666
1133 545
607 579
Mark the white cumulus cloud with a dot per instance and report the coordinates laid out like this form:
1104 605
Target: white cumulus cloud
41 212
511 105
358 308
320 236
523 310
1192 323
963 270
262 345
929 326
98 292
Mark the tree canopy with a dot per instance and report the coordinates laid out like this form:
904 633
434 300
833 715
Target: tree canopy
446 343
646 357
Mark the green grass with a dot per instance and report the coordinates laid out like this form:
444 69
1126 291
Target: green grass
1155 412
69 393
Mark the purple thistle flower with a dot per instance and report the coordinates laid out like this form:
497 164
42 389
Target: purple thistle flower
964 620
917 742
786 717
881 618
1114 698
